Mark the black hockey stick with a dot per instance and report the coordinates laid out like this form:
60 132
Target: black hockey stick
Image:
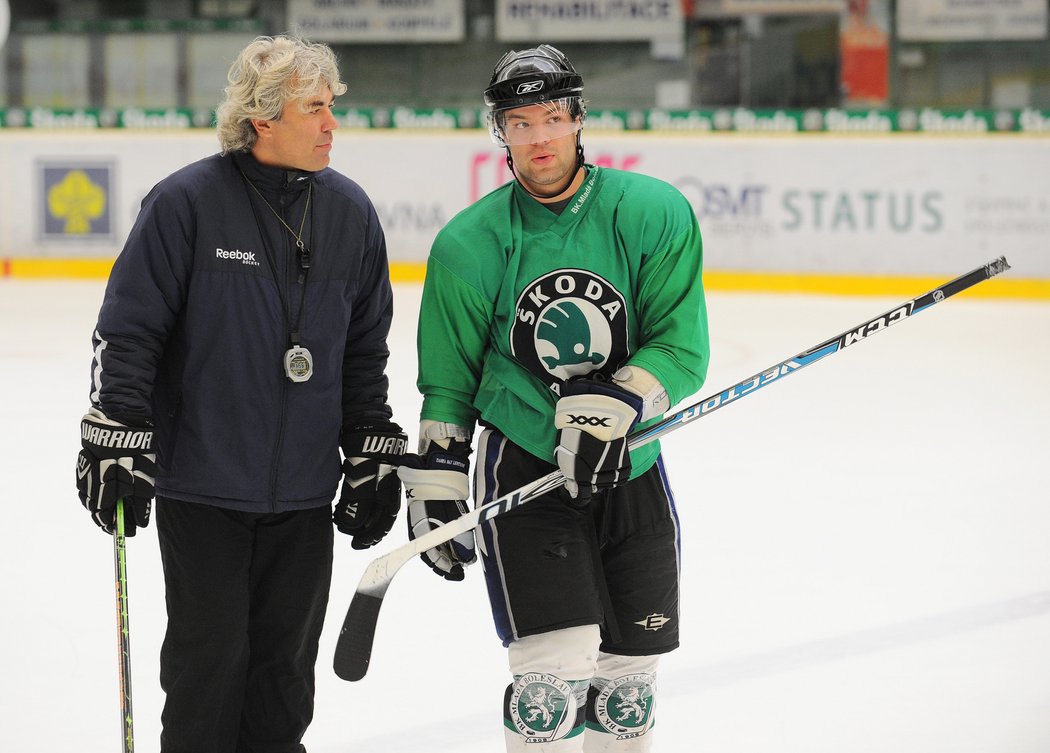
353 649
120 564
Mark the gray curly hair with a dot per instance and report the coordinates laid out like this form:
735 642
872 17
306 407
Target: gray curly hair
267 74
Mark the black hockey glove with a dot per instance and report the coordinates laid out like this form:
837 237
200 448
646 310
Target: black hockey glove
371 496
593 419
436 488
116 462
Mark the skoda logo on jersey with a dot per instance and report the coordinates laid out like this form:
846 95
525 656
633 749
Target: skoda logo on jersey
568 323
530 87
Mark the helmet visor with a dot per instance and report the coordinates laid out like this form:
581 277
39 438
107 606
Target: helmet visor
535 124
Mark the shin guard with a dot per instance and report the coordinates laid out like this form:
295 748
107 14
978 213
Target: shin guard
620 705
545 707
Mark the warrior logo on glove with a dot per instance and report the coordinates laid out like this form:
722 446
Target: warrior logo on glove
385 443
115 439
371 493
115 462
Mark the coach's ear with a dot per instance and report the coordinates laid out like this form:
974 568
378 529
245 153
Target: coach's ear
263 128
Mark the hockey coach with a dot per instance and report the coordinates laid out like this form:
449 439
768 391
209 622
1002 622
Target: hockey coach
240 344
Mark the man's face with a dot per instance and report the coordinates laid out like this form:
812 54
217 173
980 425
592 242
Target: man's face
542 143
302 138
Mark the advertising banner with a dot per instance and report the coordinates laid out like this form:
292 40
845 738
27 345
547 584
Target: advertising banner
889 205
865 45
724 8
378 20
5 21
970 20
702 120
588 20
75 202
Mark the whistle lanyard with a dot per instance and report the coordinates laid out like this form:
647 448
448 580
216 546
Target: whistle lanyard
302 254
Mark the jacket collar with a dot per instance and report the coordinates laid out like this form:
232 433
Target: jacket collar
272 179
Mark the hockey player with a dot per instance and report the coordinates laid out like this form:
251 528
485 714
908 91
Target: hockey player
561 311
241 342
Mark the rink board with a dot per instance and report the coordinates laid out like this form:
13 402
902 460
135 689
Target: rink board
772 208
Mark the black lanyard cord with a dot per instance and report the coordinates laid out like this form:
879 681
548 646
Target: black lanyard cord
303 256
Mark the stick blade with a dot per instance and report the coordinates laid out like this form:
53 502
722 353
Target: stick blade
353 648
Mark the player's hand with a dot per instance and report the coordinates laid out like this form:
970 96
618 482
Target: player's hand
115 462
593 419
436 488
371 495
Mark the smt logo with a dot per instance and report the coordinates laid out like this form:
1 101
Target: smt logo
245 257
530 87
568 323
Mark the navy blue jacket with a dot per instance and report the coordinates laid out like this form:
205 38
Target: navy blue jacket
196 320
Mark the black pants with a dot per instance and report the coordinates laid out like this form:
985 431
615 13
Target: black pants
246 596
551 565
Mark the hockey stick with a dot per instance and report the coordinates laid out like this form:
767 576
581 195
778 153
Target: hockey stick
127 727
354 646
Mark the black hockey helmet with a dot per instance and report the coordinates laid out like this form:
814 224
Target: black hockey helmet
539 75
527 77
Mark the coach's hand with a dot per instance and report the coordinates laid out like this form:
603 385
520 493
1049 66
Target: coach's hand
116 461
371 496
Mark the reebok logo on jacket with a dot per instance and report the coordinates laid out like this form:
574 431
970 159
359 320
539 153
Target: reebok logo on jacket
246 257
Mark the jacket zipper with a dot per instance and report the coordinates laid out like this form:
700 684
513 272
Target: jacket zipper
286 303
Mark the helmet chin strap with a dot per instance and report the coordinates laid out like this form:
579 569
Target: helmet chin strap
579 166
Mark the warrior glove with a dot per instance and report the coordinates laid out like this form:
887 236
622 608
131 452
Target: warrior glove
116 462
593 419
371 495
436 488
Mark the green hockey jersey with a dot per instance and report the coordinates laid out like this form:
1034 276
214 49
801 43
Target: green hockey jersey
518 300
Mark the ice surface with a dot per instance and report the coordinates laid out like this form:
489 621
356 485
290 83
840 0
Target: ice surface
866 551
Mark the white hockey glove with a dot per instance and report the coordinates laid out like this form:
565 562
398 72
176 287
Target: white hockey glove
646 386
436 489
116 462
593 420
